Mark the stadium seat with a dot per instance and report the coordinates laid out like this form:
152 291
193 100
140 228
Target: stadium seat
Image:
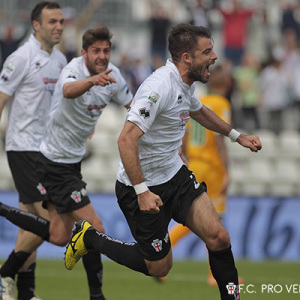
269 142
259 171
286 178
289 143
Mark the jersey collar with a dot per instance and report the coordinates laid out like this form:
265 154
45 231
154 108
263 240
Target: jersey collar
184 85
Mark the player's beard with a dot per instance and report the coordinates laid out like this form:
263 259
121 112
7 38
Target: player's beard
197 73
92 67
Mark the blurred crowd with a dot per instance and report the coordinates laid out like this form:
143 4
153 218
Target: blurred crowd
258 40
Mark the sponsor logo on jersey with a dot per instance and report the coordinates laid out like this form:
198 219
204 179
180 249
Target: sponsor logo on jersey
4 78
179 100
73 74
10 67
184 117
95 110
157 245
153 98
145 113
47 80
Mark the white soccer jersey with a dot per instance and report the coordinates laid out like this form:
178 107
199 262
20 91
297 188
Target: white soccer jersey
29 76
161 108
73 120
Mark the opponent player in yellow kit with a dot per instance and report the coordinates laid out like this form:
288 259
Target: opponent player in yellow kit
206 152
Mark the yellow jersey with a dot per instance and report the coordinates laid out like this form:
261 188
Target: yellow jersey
201 142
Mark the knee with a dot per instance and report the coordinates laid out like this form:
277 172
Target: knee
219 240
59 238
159 270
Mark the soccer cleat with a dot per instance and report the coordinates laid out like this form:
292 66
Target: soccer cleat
35 298
7 288
4 209
76 247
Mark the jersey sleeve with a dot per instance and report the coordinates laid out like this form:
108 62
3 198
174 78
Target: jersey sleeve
147 104
69 75
14 70
195 104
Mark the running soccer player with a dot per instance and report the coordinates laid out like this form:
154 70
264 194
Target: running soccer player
27 82
153 184
206 153
82 92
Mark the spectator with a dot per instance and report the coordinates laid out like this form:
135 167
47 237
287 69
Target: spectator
246 78
274 89
235 31
70 43
160 22
13 33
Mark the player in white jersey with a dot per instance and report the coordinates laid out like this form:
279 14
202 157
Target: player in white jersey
153 185
27 83
86 85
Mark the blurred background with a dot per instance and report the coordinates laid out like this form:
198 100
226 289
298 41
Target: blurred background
261 53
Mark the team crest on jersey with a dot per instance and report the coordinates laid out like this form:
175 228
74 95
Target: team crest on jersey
76 196
157 245
41 188
153 98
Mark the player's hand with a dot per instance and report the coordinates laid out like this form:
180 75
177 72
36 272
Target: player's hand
149 202
103 78
250 141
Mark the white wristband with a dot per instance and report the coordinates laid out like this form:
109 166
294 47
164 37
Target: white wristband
140 188
233 135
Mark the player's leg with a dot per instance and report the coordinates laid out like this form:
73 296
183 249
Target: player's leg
26 274
151 255
92 260
203 220
22 165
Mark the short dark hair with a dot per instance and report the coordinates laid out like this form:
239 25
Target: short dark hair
183 38
36 13
99 33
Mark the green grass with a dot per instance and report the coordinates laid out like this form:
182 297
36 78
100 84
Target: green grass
187 280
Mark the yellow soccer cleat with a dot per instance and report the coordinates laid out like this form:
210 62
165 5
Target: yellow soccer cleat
76 247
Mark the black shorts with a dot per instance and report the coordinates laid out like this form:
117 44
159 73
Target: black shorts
151 230
23 168
61 185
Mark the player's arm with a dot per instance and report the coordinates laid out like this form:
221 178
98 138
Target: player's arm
3 99
128 147
212 121
74 89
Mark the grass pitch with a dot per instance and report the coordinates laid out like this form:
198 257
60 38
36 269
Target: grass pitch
187 280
